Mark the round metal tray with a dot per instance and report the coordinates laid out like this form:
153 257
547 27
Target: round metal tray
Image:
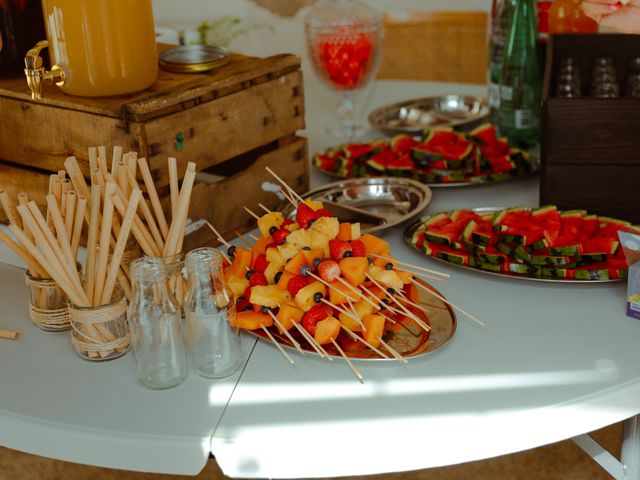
410 230
376 203
406 336
413 116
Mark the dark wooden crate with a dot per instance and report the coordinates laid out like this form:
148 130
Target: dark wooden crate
591 146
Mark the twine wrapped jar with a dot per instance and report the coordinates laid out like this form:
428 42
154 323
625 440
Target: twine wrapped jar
47 304
101 333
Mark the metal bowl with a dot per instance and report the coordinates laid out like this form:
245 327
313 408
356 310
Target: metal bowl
377 203
413 116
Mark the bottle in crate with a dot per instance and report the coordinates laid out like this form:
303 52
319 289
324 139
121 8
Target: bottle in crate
520 82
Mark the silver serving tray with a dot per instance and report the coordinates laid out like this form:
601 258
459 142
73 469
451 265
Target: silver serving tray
413 116
407 338
377 203
410 229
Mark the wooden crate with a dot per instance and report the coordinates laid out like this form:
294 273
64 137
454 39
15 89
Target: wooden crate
590 145
231 122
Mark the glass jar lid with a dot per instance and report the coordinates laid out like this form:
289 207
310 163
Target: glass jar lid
193 58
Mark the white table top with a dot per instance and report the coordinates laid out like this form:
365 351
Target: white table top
553 361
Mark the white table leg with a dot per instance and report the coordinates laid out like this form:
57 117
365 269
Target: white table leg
630 455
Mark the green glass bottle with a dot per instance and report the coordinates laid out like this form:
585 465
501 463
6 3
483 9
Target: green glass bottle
501 16
521 80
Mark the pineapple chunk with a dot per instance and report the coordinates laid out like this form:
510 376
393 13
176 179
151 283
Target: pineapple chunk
390 279
268 220
272 270
304 298
274 256
313 204
327 226
355 231
237 285
269 296
317 240
295 242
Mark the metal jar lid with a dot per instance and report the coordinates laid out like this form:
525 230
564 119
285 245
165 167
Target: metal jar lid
193 58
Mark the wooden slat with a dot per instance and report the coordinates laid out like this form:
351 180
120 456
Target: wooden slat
15 179
227 127
170 91
43 136
245 188
436 46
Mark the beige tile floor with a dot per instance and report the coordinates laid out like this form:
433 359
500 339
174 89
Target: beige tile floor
561 461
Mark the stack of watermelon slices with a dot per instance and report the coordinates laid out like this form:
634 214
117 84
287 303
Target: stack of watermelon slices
539 243
442 155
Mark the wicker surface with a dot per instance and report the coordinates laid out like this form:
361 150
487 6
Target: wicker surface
436 46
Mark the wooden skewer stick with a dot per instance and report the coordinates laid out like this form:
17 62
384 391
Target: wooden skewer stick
349 362
153 196
359 293
9 208
118 250
291 191
358 338
328 285
9 334
92 242
173 184
61 249
279 324
243 240
78 223
440 297
217 234
410 314
275 342
176 232
405 300
50 263
392 351
416 267
70 213
311 341
342 310
105 236
148 216
264 208
33 266
253 237
251 213
424 275
380 305
289 198
115 159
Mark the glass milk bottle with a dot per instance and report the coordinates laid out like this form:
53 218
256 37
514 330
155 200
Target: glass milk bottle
155 322
214 345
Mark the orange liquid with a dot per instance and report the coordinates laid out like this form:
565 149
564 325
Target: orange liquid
566 16
106 47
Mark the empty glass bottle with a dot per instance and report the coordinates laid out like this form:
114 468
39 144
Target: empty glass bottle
521 80
214 345
501 16
155 322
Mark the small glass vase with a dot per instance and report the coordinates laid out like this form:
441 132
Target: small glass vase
100 333
156 332
47 305
213 344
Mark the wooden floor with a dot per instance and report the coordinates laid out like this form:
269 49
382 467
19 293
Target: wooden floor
561 461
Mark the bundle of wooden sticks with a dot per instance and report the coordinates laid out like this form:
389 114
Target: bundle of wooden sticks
112 206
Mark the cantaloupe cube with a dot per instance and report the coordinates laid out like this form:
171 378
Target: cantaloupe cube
354 269
327 330
374 328
289 314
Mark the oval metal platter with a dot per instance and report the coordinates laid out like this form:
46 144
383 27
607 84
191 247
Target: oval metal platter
376 203
415 115
410 230
406 337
